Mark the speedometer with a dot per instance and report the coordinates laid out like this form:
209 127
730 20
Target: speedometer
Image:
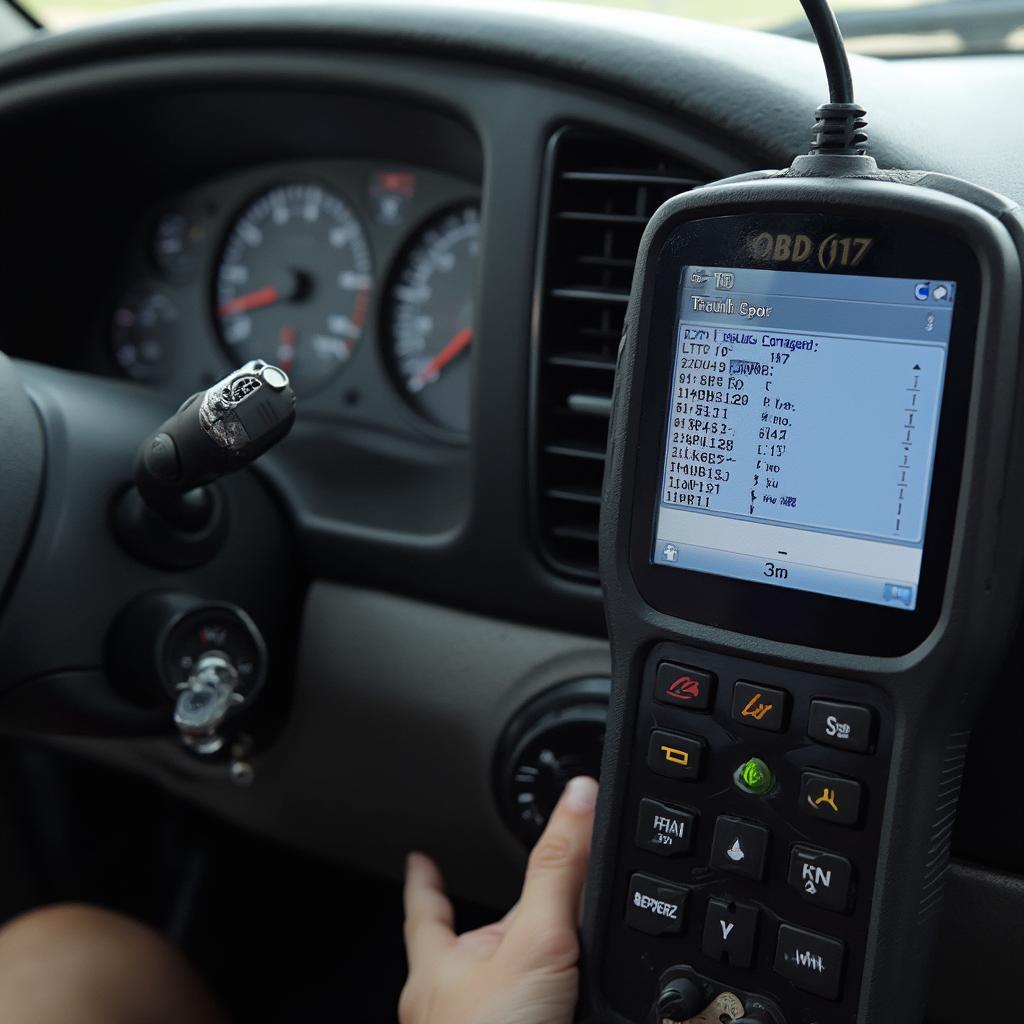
429 317
293 285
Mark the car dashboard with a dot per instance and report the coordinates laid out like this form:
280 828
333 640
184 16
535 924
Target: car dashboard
429 215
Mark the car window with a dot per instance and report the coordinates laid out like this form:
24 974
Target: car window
880 27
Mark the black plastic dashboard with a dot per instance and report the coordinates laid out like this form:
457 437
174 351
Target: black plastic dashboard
407 534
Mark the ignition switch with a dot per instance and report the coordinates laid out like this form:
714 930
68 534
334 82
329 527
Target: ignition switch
203 660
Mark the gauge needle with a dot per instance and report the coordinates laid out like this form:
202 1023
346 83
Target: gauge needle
286 349
442 359
251 300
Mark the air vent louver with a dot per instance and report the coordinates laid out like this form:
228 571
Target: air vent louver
603 191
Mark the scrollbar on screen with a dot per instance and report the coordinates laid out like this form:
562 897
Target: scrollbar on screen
801 433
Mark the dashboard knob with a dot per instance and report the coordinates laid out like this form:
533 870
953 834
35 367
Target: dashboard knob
556 736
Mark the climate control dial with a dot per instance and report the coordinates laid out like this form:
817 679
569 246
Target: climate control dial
558 735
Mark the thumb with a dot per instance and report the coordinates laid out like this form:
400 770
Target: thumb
544 928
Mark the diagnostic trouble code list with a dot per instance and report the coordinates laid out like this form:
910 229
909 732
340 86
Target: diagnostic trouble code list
805 400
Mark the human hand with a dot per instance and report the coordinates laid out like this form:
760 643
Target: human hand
520 970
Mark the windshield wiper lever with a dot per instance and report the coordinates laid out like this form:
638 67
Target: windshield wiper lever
171 517
213 433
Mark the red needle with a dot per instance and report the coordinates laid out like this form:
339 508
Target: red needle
443 358
253 300
286 350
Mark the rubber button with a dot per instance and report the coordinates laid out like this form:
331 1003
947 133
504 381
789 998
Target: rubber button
812 962
729 932
754 777
683 687
655 906
664 830
161 458
740 847
760 707
843 726
821 878
675 756
830 798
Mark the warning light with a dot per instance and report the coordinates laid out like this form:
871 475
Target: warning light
754 776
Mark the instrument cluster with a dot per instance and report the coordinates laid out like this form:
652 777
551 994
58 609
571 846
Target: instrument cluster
357 279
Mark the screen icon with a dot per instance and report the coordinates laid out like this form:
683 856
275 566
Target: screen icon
895 593
698 277
940 292
922 290
670 553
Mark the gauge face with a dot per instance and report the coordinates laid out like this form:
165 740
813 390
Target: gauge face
142 333
293 286
176 241
430 317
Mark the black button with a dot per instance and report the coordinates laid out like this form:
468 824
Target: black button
830 798
673 755
664 830
161 458
683 687
812 962
740 846
821 878
759 706
655 906
729 932
844 726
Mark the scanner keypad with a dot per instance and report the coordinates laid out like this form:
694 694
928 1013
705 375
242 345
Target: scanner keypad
771 886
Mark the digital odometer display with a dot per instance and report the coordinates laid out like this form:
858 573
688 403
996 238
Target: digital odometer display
802 428
293 285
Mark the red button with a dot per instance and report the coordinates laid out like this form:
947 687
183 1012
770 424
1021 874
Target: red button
682 686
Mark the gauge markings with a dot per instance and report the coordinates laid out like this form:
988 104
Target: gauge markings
430 317
294 283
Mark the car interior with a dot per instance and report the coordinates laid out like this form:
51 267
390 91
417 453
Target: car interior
338 347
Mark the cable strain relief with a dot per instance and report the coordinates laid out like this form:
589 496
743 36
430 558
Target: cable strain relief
839 129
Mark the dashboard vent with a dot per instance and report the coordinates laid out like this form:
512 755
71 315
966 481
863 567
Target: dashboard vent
603 190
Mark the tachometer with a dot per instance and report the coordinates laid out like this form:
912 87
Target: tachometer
430 317
293 286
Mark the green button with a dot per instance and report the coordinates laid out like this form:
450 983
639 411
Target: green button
754 776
